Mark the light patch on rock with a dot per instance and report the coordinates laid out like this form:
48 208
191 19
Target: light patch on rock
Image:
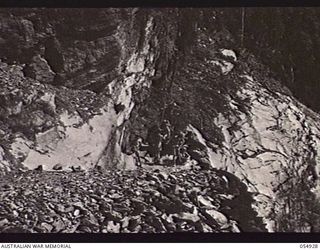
70 119
225 66
20 147
16 109
205 202
125 99
229 53
41 69
202 141
197 133
129 163
247 77
148 33
53 135
136 64
49 98
220 218
80 146
111 86
28 32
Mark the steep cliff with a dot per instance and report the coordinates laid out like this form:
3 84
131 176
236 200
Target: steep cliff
79 87
85 76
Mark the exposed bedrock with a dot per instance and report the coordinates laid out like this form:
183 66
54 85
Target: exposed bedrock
79 87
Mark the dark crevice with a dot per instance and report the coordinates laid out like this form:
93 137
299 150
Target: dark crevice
53 55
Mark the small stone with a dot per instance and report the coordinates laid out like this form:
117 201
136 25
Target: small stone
115 196
3 222
95 197
60 208
125 222
187 217
157 224
220 218
49 205
57 167
69 209
39 168
27 192
113 227
46 226
234 227
113 216
85 229
173 178
205 228
48 219
163 175
90 221
13 206
76 212
78 204
71 228
58 225
58 189
205 202
138 193
152 182
76 168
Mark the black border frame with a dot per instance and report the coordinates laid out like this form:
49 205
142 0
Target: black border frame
162 238
156 3
166 237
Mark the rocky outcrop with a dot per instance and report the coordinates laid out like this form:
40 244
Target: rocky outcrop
40 70
249 123
87 124
271 148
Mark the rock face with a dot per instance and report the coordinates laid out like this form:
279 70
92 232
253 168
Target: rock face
80 86
100 66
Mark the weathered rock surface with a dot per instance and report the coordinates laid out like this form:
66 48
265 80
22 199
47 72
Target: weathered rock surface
79 86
